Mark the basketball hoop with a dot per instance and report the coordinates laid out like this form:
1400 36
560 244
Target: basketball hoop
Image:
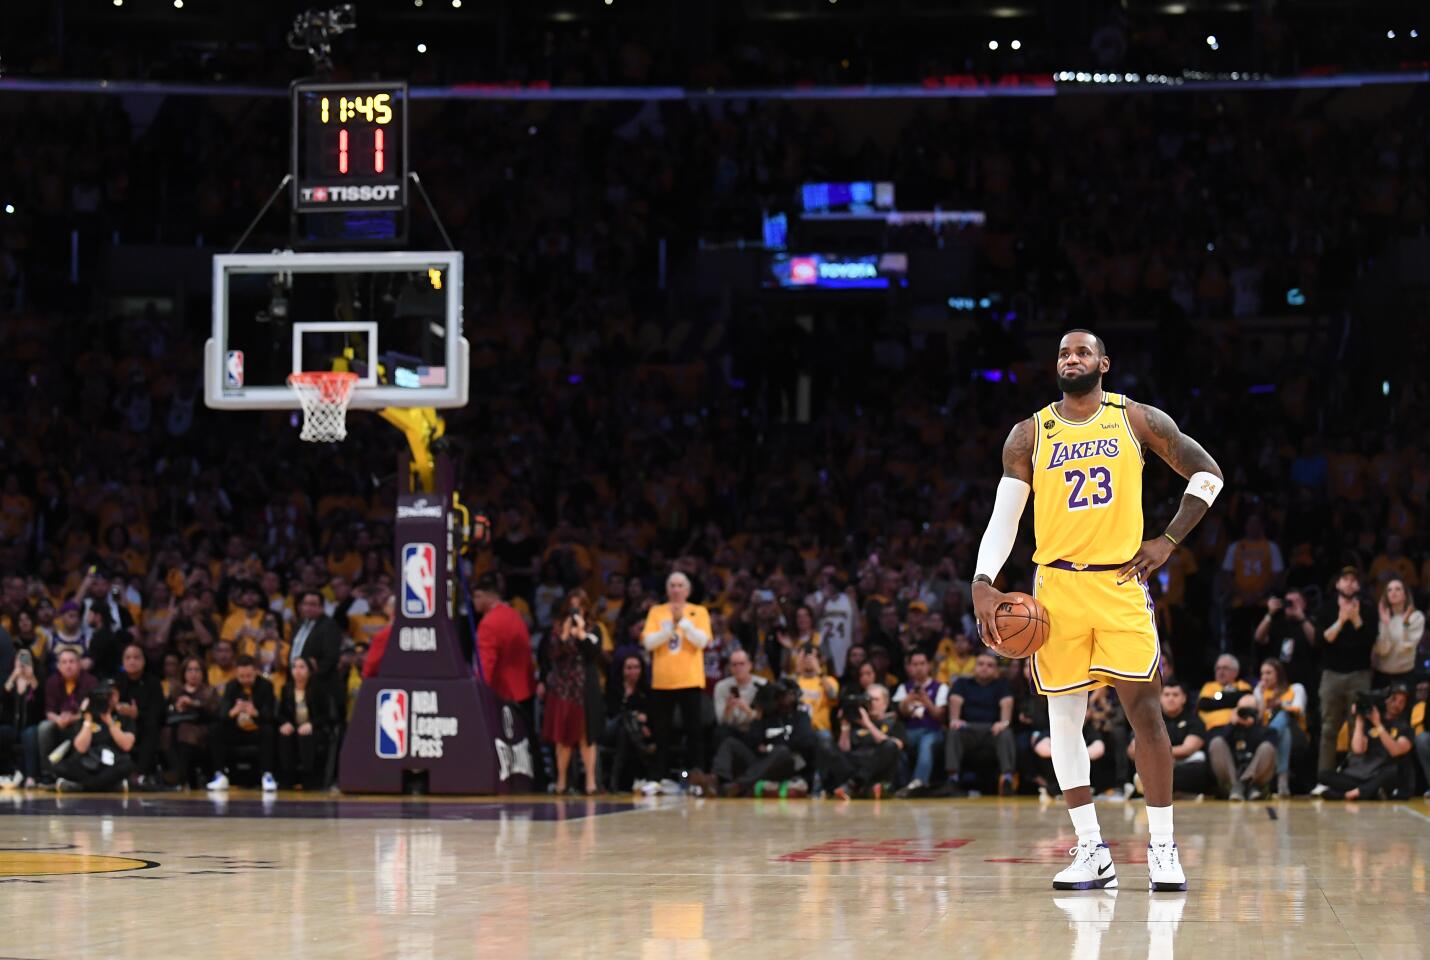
324 396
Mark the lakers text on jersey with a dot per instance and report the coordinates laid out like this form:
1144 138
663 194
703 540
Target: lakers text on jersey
1087 521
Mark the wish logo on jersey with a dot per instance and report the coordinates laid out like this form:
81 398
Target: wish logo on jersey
1066 452
392 724
419 580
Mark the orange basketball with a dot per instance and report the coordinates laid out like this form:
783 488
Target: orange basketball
1022 624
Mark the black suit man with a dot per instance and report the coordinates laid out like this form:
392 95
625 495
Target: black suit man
317 637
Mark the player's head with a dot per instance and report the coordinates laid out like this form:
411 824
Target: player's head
1082 360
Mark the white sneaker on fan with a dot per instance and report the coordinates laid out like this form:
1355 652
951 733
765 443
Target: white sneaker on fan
1091 869
1164 868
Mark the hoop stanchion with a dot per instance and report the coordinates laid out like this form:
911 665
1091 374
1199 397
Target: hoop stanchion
324 396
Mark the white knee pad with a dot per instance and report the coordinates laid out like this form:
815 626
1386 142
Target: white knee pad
1070 761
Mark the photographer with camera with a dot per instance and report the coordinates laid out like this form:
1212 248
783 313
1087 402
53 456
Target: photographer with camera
871 742
1243 753
1287 633
1347 636
98 758
765 759
1379 760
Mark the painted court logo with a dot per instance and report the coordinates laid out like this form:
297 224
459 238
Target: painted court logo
392 724
419 580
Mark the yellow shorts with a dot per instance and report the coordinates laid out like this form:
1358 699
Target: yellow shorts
1100 631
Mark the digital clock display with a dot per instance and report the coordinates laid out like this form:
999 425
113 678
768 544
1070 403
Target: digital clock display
349 146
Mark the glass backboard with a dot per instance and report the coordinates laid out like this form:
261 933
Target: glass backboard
394 319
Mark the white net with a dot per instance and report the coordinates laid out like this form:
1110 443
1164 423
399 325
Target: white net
324 397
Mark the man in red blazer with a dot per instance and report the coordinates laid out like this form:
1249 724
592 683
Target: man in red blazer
505 657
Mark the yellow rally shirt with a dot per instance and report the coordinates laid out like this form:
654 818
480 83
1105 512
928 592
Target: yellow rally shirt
678 663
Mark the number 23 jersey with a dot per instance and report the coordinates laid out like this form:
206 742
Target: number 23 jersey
1087 486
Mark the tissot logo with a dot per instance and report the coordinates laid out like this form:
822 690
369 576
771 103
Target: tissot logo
365 193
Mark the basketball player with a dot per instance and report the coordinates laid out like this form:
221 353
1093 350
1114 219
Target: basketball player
1081 458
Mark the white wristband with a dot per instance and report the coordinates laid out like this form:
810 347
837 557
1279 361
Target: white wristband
1205 486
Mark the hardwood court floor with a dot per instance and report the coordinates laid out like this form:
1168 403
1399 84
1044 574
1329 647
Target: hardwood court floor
183 876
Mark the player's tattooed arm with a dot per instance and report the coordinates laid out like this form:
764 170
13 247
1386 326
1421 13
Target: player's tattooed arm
1159 432
1018 451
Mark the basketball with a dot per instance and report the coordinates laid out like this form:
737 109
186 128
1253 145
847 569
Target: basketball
1023 625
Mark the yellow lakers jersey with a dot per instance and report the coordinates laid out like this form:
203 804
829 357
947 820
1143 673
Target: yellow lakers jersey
1087 486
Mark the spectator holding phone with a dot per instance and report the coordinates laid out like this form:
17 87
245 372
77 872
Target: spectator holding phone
923 703
304 720
247 718
21 709
569 711
191 710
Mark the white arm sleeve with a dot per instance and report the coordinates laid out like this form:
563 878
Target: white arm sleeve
660 638
1002 529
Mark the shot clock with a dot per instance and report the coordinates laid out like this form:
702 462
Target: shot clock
349 146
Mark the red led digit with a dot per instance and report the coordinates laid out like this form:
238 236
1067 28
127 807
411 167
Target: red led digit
343 151
377 161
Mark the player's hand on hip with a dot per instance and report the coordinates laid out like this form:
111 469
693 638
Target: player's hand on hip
1152 555
986 600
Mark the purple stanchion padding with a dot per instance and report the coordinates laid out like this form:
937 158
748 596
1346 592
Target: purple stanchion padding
425 710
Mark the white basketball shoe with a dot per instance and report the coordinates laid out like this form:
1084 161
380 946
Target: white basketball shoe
1091 869
1164 868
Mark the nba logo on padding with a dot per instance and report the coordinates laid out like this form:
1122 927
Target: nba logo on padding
392 724
419 580
233 370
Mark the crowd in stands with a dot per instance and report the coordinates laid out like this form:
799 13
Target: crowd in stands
216 554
